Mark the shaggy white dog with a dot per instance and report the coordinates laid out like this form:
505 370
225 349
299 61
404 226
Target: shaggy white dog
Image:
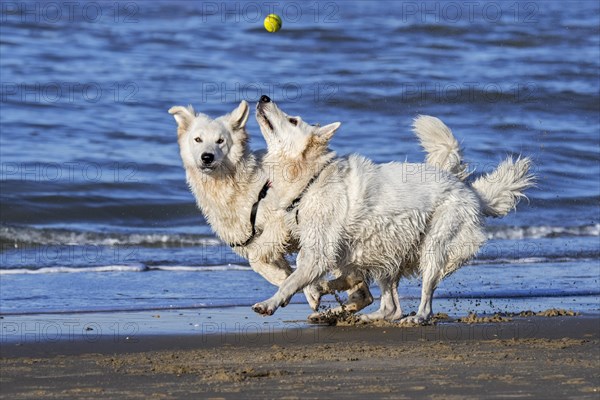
231 187
384 221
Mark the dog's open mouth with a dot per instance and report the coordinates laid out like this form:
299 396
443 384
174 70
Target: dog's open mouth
264 118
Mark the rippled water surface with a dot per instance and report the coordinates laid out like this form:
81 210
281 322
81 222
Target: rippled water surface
95 212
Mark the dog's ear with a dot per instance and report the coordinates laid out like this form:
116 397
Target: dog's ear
239 116
184 117
325 133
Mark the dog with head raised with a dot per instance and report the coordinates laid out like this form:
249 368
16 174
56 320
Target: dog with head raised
231 189
380 221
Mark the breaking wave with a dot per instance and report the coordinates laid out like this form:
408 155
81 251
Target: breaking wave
543 231
122 268
19 236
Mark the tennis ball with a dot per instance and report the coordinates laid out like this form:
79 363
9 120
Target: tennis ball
272 23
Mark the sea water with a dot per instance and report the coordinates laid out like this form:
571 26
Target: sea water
95 212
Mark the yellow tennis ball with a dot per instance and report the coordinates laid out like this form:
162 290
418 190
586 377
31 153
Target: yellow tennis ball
272 23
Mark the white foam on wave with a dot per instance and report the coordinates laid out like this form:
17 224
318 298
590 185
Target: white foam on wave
185 268
528 260
66 270
63 237
21 236
124 268
540 232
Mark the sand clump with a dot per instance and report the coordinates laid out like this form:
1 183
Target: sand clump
346 318
473 318
554 312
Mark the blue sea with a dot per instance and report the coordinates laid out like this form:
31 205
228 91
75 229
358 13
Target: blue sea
95 212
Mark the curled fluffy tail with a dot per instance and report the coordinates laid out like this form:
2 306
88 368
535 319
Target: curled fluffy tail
441 146
501 190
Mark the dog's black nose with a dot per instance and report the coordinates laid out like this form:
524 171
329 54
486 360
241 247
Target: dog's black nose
207 158
265 99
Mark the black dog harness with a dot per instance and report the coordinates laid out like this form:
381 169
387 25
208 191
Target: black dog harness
297 200
261 195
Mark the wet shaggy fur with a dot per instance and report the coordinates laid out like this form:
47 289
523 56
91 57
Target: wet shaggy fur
226 191
385 221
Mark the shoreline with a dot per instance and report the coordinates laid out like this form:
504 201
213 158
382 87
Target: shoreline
105 333
537 357
130 326
540 357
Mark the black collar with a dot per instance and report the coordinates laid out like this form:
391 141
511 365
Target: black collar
261 195
297 200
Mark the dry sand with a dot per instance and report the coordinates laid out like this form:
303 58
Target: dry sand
517 357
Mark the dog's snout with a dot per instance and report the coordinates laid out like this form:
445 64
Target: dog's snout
207 158
265 99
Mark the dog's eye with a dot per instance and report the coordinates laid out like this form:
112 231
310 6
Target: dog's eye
198 140
293 121
221 140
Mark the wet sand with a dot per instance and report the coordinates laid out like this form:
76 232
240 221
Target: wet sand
519 357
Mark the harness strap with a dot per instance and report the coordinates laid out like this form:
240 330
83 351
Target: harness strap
297 200
261 195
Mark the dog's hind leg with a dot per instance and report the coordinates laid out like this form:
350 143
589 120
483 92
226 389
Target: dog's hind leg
431 279
389 308
433 259
315 291
359 296
454 237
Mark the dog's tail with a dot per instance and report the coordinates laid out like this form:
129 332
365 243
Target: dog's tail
441 146
501 190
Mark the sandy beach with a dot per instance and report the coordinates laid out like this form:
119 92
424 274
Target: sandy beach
116 281
520 357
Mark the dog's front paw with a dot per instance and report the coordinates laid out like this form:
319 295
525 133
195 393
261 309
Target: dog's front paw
264 308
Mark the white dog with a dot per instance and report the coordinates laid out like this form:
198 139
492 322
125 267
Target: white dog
230 187
385 221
